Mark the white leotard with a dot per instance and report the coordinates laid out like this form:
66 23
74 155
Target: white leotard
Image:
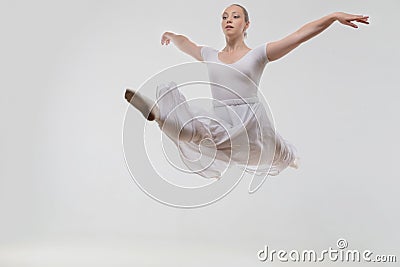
251 64
240 133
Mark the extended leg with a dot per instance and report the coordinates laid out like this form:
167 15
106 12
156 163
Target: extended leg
145 105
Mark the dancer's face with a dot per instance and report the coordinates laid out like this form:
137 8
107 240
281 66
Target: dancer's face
233 21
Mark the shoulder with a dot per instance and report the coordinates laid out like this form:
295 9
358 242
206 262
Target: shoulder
207 52
205 49
261 52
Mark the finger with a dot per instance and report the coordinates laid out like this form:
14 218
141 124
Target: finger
358 18
352 24
362 21
365 18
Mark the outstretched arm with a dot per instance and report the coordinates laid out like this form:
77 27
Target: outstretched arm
183 43
278 49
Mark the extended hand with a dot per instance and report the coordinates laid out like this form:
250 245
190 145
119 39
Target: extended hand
166 38
347 18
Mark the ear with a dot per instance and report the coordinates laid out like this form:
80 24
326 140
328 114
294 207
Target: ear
247 25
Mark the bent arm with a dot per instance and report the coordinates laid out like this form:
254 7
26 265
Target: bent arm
183 43
278 49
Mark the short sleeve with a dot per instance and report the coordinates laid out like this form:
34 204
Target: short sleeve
205 52
262 53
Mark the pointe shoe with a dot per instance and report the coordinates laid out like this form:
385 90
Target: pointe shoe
147 107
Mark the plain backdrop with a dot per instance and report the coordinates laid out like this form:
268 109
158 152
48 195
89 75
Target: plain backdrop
66 195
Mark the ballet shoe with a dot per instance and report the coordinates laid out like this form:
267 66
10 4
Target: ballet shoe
149 110
129 94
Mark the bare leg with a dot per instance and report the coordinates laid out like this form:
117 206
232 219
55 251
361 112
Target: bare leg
145 105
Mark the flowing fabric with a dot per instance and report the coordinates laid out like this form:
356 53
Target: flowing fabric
236 131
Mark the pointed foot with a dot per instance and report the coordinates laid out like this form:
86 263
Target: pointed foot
142 104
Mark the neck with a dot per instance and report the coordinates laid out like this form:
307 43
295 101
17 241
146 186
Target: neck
234 44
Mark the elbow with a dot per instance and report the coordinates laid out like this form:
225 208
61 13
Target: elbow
306 34
299 37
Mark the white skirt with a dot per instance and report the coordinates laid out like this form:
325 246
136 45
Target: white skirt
236 132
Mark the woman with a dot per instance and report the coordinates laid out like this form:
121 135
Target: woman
238 129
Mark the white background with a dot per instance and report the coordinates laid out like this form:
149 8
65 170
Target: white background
66 196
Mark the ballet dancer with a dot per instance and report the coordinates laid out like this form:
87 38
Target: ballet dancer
237 55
